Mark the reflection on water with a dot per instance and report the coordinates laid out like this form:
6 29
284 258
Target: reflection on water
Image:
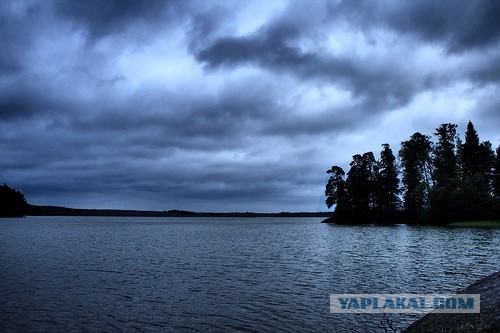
60 274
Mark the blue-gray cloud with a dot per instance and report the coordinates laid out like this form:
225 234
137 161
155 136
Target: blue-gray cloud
252 120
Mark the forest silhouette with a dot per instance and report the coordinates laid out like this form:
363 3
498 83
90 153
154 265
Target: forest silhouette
431 182
12 202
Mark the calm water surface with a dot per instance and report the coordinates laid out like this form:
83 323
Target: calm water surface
102 274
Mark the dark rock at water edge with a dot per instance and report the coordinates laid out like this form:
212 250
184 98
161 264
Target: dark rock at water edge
487 321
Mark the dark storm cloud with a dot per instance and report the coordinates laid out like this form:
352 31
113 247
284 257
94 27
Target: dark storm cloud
456 25
15 35
21 101
384 85
336 120
203 106
103 18
381 86
459 25
14 106
180 120
485 69
66 165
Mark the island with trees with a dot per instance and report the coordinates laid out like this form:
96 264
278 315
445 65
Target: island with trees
432 182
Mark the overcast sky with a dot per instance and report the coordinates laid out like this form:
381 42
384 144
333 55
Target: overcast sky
230 105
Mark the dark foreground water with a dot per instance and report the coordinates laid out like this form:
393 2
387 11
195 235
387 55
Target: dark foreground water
67 274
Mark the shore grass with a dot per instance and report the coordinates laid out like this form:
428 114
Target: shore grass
488 223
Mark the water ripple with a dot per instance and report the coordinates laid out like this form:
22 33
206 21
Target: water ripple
198 275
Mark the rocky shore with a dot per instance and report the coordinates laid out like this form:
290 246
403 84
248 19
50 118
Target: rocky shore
487 321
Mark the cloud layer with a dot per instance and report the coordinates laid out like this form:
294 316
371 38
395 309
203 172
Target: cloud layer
229 106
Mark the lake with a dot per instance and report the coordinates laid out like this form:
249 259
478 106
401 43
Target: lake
106 274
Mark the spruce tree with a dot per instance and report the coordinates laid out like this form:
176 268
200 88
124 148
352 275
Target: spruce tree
475 160
468 152
444 196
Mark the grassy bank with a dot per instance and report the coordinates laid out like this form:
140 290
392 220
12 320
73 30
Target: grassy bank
489 223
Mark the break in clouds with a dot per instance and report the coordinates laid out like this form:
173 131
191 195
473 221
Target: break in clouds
230 105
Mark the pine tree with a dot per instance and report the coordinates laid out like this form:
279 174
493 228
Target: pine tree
360 185
417 173
387 185
336 194
445 160
335 191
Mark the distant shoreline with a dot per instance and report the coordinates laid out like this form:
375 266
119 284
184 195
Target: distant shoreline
64 211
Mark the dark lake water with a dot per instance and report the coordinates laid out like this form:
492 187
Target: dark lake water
102 274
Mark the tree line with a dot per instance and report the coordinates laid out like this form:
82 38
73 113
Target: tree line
434 182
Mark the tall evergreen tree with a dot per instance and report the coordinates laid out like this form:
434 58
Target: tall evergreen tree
468 152
444 195
474 156
387 185
337 194
496 176
445 160
360 187
475 161
417 173
485 163
335 191
495 184
356 184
